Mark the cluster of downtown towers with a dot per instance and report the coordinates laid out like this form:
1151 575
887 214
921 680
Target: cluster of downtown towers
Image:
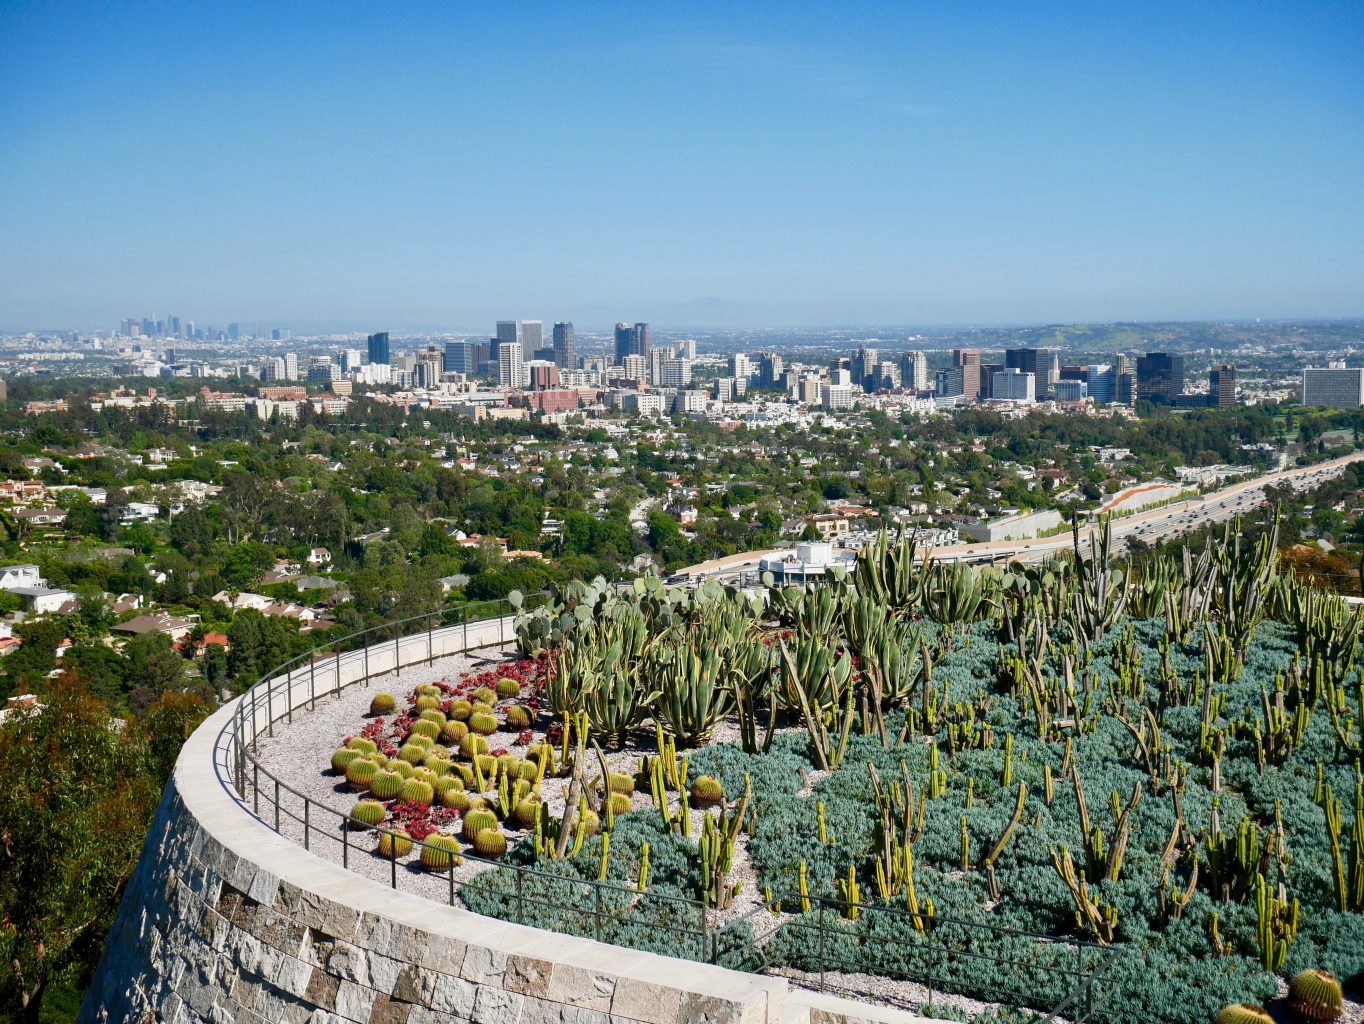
528 338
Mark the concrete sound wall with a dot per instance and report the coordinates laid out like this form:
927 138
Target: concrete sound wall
227 922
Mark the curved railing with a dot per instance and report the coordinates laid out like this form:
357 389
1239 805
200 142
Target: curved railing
603 910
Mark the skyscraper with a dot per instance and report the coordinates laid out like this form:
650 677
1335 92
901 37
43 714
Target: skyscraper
914 371
563 345
1222 386
1041 363
378 347
863 366
507 331
510 366
532 335
1334 386
969 361
1160 377
625 343
643 338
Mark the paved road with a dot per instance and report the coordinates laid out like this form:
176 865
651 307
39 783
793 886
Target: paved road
1151 527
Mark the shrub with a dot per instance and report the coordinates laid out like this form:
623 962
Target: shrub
342 758
394 844
475 821
706 791
507 687
460 710
382 703
482 723
440 852
360 773
418 791
367 812
490 843
1314 995
518 717
386 785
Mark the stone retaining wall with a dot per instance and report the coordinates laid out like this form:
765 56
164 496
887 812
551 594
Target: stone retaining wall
225 921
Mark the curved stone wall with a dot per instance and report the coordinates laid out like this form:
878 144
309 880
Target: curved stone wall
225 921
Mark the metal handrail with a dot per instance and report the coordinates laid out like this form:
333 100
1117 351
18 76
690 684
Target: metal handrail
233 760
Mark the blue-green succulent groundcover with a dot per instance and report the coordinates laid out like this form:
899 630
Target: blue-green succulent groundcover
1157 970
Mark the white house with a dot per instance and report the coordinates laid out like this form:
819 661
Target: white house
12 577
42 599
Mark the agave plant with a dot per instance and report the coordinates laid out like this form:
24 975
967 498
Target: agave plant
690 698
814 673
957 594
887 573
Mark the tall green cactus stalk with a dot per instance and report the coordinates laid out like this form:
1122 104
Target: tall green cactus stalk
850 892
1346 872
719 837
989 862
828 747
1099 920
1277 924
1103 860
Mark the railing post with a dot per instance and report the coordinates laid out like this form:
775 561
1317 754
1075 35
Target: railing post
307 807
393 861
520 897
596 911
397 654
255 788
269 709
821 943
364 649
312 682
345 843
276 804
430 646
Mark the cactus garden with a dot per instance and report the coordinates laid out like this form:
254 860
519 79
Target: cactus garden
1152 771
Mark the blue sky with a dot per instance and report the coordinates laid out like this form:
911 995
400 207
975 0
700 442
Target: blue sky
763 164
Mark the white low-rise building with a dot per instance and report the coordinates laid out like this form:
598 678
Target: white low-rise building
806 563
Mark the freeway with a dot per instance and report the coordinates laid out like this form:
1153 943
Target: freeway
1151 527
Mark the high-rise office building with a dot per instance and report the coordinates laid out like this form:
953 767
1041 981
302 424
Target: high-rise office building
1013 385
676 373
685 349
378 348
949 383
969 361
770 370
291 366
636 367
1160 377
1042 363
1222 386
532 335
452 360
542 375
563 345
1333 387
507 331
740 366
914 371
1101 381
632 340
863 366
510 366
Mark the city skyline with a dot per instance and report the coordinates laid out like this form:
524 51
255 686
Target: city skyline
874 166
